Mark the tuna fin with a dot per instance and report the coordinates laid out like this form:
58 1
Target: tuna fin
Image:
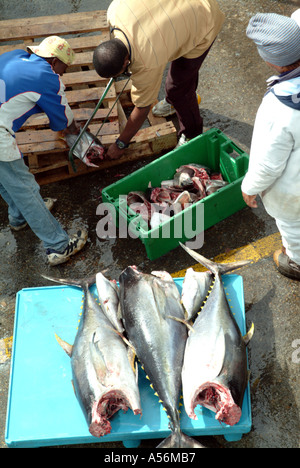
131 358
179 440
185 322
80 283
124 339
65 346
215 268
249 335
119 312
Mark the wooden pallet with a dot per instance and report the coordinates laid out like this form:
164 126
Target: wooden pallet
46 152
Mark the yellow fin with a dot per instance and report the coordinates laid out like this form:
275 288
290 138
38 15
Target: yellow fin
249 335
187 324
65 346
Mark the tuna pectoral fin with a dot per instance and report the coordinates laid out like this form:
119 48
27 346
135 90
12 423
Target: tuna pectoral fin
215 268
185 322
179 440
80 283
128 344
65 346
249 335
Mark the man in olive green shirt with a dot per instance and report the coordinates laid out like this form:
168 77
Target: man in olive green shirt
146 36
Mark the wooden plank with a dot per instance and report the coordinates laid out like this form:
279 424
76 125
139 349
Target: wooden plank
81 115
82 59
78 44
153 120
66 24
88 42
82 15
42 147
121 117
58 29
148 134
84 77
42 141
88 95
51 162
120 86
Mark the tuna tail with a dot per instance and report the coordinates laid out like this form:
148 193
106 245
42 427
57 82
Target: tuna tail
179 440
215 268
80 283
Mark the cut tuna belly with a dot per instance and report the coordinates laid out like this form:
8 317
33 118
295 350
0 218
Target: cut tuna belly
217 398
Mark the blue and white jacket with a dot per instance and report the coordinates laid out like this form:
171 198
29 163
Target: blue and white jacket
274 169
28 86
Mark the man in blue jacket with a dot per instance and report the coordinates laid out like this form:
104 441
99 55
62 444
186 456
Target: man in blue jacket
30 83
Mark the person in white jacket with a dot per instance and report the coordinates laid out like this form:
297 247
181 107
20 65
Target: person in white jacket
274 169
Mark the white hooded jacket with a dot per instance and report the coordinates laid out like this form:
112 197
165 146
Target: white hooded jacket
274 169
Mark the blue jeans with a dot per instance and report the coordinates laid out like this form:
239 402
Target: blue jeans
21 192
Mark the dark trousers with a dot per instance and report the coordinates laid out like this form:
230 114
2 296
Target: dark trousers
181 86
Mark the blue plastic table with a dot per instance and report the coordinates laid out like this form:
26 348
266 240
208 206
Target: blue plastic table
42 407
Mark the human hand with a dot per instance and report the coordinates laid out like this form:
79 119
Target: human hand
73 129
250 200
114 152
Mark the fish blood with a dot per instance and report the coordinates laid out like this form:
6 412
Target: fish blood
219 399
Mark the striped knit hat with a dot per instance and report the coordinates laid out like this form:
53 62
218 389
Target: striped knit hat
277 37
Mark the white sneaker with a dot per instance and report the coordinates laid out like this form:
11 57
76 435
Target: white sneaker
49 202
75 245
182 140
20 227
163 109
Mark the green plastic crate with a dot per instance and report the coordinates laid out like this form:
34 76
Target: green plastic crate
212 149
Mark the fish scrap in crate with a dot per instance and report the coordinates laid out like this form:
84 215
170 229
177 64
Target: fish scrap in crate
190 184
